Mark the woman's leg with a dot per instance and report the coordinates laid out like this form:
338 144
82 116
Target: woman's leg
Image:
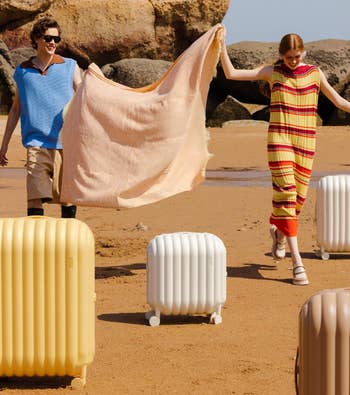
299 272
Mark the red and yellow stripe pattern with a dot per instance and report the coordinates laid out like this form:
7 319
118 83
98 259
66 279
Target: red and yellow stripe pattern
291 141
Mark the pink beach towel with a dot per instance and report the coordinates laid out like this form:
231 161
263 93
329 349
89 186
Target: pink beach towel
127 147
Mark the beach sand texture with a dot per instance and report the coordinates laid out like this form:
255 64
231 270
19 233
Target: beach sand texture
253 350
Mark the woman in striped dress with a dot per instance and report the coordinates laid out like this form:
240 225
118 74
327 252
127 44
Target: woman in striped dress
294 88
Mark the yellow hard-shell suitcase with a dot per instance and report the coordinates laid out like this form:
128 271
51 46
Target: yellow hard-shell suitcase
47 297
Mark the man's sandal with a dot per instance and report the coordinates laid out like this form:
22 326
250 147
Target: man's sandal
299 275
278 249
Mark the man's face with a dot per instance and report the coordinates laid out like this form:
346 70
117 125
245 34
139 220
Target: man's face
46 43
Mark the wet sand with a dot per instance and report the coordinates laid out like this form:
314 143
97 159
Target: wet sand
253 350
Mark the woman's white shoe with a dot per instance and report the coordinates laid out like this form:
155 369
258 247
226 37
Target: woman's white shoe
278 249
299 275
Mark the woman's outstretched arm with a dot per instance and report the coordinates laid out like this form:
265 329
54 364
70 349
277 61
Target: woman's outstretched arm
332 94
259 73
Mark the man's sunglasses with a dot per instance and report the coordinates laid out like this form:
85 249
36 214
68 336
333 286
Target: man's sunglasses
49 38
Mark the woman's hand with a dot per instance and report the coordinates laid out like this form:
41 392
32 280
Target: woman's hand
221 34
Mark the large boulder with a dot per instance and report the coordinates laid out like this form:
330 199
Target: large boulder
136 73
19 55
338 116
7 84
180 22
16 10
109 30
230 109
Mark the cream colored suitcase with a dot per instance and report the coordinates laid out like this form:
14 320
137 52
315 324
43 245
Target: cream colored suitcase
333 215
47 297
186 274
324 344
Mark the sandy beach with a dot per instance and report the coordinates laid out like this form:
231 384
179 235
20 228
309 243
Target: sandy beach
253 350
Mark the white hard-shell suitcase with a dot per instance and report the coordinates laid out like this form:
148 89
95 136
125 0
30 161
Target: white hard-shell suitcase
333 215
186 274
323 359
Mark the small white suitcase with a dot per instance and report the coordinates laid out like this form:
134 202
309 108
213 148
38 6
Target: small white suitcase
333 215
186 274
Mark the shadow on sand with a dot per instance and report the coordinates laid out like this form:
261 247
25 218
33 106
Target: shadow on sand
253 271
31 383
139 319
118 271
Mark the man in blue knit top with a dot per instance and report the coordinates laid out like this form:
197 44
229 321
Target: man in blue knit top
45 84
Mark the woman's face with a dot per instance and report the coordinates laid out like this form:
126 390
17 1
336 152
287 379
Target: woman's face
292 58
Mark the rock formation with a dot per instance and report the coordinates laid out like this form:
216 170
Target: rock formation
230 109
109 30
106 31
20 10
332 56
136 72
7 84
124 35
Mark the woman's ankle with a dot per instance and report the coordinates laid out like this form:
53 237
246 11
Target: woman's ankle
297 262
281 237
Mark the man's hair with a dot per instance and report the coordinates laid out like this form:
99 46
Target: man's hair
39 28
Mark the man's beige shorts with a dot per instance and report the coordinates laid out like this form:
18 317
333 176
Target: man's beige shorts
44 174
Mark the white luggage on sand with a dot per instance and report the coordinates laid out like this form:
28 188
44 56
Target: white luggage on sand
323 360
186 274
333 215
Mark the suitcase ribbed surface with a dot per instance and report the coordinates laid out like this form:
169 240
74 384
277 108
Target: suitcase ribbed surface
324 344
186 273
333 213
47 307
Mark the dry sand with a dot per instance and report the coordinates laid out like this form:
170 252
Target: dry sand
253 350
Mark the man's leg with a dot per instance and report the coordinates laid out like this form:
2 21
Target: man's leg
35 207
68 211
39 184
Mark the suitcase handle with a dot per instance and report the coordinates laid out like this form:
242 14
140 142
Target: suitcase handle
296 372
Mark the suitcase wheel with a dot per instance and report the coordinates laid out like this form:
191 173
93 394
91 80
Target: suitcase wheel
321 254
79 382
215 318
153 318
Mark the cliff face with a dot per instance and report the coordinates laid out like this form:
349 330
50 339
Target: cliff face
332 56
105 31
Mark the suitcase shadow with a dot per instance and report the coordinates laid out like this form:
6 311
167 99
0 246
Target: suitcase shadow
125 318
31 383
139 319
118 271
332 256
253 271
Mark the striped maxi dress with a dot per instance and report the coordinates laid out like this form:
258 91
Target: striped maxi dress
291 141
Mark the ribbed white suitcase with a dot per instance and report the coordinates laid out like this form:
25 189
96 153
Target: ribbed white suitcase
47 297
186 274
333 215
323 363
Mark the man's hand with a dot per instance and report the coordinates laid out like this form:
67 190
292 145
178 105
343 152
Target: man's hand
3 159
